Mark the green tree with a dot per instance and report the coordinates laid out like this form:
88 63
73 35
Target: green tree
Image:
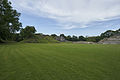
69 38
53 35
117 31
9 20
108 34
81 38
74 38
62 35
28 32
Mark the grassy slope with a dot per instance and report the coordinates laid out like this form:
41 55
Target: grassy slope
59 62
41 39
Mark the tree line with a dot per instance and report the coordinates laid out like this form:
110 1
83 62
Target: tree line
106 34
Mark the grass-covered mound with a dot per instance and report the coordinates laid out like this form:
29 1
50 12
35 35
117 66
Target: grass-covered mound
40 39
59 62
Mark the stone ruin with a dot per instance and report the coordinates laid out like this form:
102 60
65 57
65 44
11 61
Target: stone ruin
61 38
112 40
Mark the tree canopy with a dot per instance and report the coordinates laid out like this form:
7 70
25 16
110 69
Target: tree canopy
9 20
28 32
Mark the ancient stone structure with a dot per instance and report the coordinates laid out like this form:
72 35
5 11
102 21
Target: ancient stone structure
112 40
60 38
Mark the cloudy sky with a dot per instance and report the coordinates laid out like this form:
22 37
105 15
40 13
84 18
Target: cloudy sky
71 17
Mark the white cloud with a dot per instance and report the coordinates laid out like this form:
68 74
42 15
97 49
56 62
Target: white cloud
71 25
71 11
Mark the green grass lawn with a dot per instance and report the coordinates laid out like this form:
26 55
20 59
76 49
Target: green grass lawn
28 61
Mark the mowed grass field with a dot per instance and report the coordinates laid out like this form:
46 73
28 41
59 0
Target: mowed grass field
36 61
